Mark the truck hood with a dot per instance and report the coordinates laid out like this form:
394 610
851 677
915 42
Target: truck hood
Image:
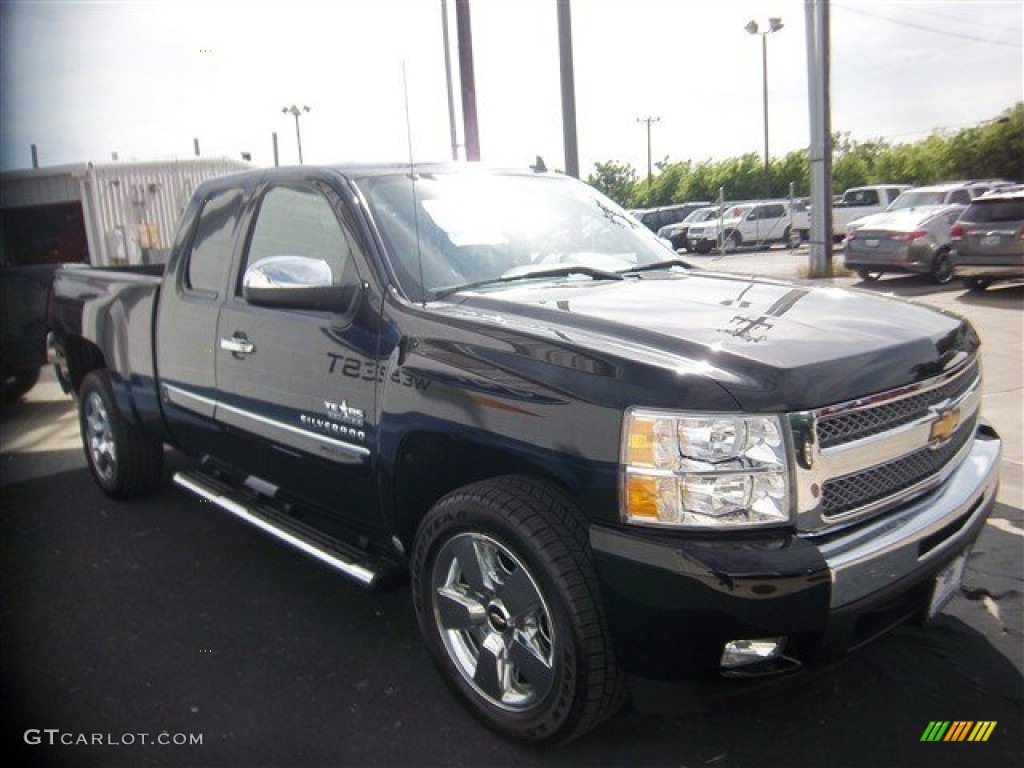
902 220
772 345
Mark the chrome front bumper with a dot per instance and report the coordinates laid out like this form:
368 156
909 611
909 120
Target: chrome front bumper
877 554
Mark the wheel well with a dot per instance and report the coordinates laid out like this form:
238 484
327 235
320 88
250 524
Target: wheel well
83 357
428 466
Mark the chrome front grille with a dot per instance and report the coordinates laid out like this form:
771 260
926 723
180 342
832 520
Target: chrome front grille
847 493
857 424
863 457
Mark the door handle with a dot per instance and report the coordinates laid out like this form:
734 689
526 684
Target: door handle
238 345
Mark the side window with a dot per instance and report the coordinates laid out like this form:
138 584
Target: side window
210 256
775 211
893 193
960 197
295 221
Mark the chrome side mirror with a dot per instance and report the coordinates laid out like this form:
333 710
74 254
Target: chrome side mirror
277 272
292 282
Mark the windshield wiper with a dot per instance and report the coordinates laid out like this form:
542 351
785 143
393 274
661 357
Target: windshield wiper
563 270
656 265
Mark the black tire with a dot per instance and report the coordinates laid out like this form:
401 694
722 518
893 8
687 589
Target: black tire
788 239
868 275
125 461
503 568
731 242
702 246
17 384
942 268
977 284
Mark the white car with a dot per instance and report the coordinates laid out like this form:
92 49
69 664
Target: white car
678 234
747 224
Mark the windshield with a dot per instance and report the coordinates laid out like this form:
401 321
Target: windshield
738 212
916 199
468 228
702 214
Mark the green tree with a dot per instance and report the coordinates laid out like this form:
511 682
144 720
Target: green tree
993 149
617 180
795 168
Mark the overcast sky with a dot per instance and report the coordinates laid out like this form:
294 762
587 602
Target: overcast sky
82 80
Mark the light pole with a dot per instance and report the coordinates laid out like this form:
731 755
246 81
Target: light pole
774 25
296 111
648 120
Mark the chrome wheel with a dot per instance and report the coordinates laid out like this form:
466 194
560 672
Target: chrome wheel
100 437
942 271
493 621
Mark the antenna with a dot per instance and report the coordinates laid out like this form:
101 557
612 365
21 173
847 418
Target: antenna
412 178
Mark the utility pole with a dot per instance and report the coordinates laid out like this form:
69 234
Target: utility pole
464 30
572 155
448 79
816 20
648 120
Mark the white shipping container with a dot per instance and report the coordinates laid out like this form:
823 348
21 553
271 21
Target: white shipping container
130 210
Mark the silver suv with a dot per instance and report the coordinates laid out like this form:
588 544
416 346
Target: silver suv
988 240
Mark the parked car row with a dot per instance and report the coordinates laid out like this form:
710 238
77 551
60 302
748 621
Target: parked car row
725 226
655 219
916 233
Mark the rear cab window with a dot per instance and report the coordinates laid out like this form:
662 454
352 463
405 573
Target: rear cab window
209 256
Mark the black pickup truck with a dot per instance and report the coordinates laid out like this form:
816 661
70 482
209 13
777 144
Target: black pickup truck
588 457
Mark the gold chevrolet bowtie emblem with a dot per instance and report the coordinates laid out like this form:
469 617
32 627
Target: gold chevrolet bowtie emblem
944 427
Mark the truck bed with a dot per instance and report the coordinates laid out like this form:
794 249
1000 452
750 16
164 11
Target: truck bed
114 307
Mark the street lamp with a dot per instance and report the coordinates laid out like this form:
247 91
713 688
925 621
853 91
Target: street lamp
648 120
774 25
296 111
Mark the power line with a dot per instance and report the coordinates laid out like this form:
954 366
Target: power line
926 28
930 10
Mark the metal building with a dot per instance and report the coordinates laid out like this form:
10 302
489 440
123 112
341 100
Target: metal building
106 214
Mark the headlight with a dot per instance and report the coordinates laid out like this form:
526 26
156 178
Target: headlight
704 470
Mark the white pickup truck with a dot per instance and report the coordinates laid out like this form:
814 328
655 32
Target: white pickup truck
855 203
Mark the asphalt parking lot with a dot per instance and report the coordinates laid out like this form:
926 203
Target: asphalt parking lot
162 618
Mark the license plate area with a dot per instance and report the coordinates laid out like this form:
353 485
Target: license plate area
947 583
990 240
871 242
